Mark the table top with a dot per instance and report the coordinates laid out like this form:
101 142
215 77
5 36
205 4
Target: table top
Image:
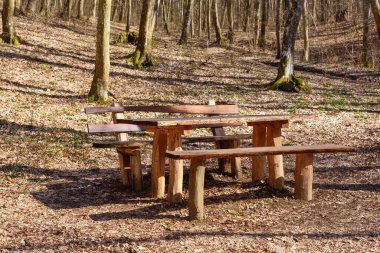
211 120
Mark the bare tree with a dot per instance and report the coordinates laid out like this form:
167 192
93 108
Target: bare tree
375 6
9 32
285 77
100 82
305 18
278 27
366 12
142 57
218 31
186 22
264 23
230 17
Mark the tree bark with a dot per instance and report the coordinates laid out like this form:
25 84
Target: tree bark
142 57
305 17
9 33
366 12
100 82
218 32
81 9
247 15
209 20
278 28
186 22
230 16
165 16
264 23
256 31
375 6
285 77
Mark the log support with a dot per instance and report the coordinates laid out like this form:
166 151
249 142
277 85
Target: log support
196 190
275 162
303 176
259 162
158 164
175 167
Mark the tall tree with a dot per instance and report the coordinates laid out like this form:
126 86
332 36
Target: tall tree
186 22
256 21
100 82
142 56
230 17
9 32
366 12
278 28
305 18
285 77
129 14
218 31
375 6
264 23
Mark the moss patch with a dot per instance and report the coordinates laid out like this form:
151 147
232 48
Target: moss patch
141 60
130 38
291 84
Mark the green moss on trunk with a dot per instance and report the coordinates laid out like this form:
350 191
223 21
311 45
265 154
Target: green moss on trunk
13 40
290 84
141 60
127 37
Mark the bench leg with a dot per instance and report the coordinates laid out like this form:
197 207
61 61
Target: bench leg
175 168
125 172
236 162
196 190
158 164
303 177
275 162
136 171
259 162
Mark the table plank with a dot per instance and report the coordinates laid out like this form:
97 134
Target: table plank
204 121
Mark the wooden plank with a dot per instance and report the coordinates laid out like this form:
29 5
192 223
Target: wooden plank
158 164
114 128
196 190
303 176
167 122
175 167
126 144
186 109
244 152
275 162
259 162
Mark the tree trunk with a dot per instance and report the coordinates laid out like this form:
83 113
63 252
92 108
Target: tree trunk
376 13
278 28
285 77
94 8
200 19
186 22
218 32
9 33
264 23
209 20
305 32
256 31
67 12
31 6
129 14
247 15
142 57
81 9
165 16
100 82
230 16
366 12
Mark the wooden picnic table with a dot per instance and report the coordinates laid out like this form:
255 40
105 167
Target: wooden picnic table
168 136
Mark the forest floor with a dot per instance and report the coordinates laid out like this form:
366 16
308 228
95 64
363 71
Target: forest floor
58 194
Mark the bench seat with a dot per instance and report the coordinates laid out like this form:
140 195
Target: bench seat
303 172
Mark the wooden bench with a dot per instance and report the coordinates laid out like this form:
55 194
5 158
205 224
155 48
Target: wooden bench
303 172
129 150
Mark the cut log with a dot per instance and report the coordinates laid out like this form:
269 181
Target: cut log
196 190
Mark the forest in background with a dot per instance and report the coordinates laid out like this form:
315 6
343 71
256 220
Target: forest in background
59 194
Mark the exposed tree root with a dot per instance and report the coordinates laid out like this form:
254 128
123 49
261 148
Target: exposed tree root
13 40
141 60
127 37
290 84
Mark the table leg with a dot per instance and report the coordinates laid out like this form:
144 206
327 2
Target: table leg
158 164
275 162
259 162
175 167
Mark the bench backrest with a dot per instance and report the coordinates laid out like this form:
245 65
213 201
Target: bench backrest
118 110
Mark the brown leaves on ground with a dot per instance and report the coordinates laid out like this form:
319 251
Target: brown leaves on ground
60 195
